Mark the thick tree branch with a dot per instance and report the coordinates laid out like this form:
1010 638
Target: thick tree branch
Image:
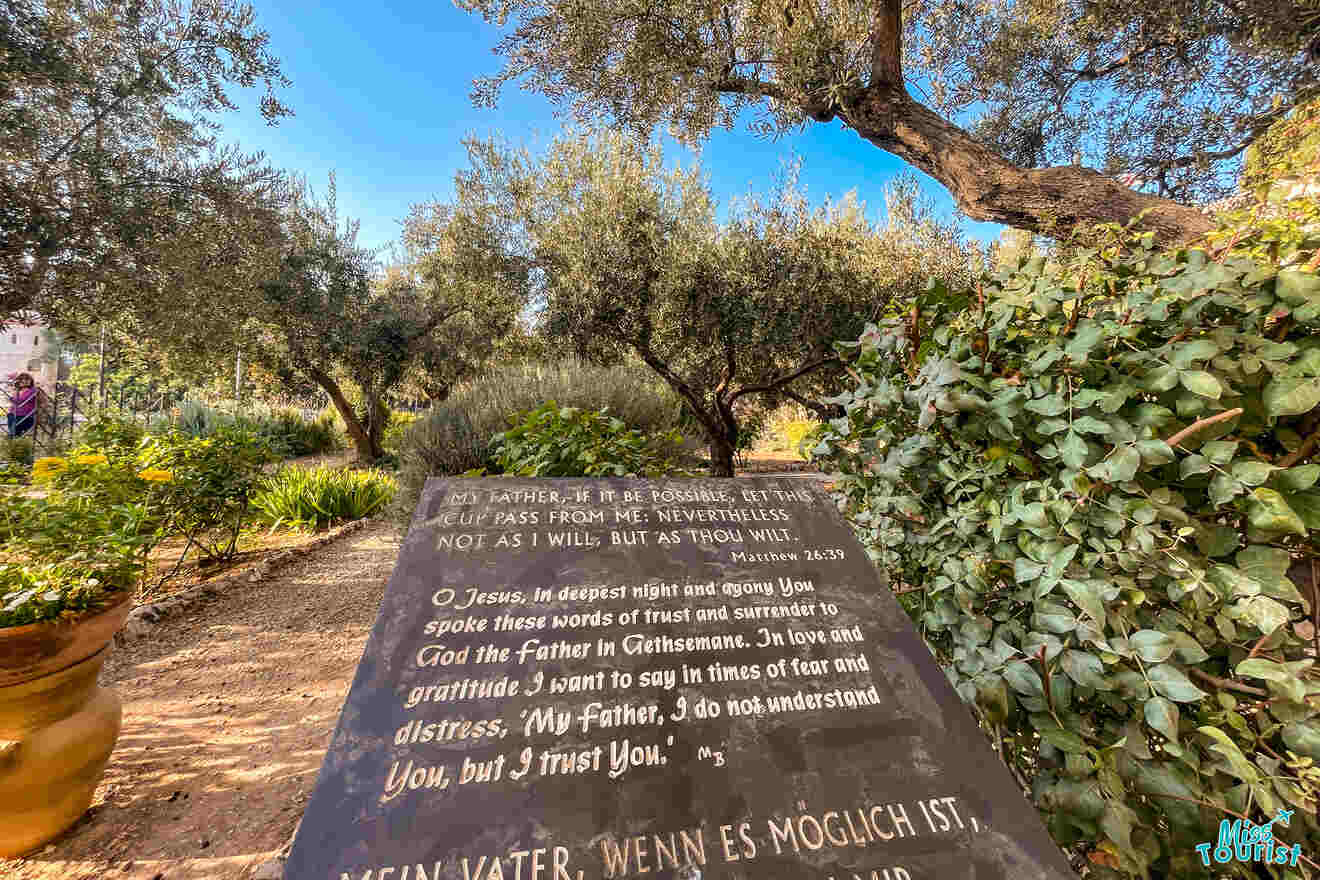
887 44
784 380
1053 201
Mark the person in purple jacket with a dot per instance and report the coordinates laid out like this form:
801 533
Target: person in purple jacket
23 411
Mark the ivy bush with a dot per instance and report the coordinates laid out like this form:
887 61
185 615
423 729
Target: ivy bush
1095 487
555 441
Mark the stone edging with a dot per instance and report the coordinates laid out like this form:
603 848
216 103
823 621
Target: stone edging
142 618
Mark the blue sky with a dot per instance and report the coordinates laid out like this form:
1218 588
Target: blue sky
380 95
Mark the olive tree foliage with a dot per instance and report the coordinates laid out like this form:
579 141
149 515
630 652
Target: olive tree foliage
109 151
329 313
628 259
1170 91
1173 93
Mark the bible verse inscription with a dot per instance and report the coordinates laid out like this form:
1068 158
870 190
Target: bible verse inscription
599 679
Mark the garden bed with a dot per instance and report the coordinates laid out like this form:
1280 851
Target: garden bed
228 710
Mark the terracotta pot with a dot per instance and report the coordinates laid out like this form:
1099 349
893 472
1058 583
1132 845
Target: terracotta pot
57 728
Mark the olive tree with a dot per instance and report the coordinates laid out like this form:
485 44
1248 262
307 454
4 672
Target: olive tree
328 313
106 128
1030 109
629 259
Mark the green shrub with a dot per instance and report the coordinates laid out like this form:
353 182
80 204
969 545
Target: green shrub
64 558
788 426
455 436
1091 482
397 427
312 498
17 450
104 511
288 433
110 432
206 484
13 473
69 550
555 441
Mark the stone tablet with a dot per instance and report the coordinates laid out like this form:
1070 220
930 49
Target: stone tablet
589 679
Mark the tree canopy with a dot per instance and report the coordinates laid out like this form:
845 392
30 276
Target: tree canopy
108 140
630 260
327 312
1171 93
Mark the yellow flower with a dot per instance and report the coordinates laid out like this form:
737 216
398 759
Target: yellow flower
91 458
155 475
45 468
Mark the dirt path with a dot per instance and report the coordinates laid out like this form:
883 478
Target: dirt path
227 715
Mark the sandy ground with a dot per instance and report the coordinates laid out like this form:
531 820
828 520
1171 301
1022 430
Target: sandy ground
227 715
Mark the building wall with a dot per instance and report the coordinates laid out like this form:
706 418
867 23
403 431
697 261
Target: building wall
25 348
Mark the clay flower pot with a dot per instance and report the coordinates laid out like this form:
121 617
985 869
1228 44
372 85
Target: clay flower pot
57 728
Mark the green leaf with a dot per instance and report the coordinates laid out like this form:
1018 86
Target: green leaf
1025 570
1307 506
1051 405
1155 452
1269 567
1189 649
1192 465
1202 383
1033 514
1291 397
1151 646
1085 669
1297 287
1063 740
1087 597
1169 681
1268 511
1086 336
1253 473
1090 425
1195 350
1119 467
1220 452
1258 667
1117 823
1162 378
1303 737
1023 678
1162 715
1296 479
1062 557
1263 612
1073 450
1224 488
1223 744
